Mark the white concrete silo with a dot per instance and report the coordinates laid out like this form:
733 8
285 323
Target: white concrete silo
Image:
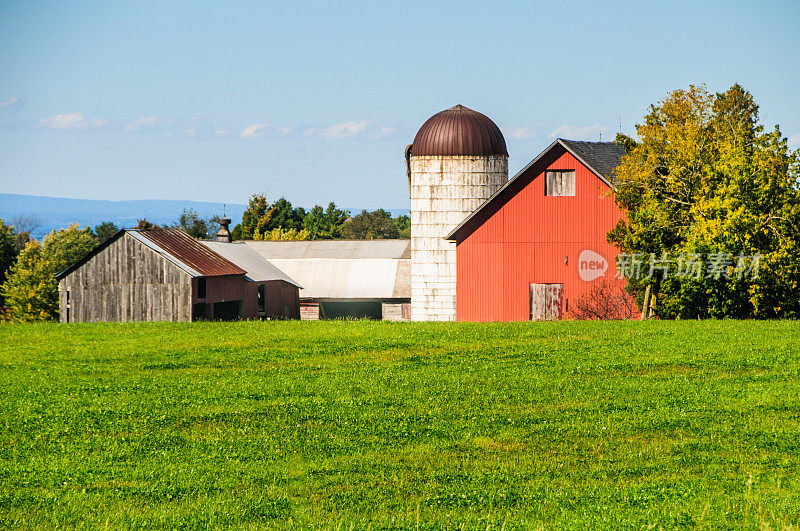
457 161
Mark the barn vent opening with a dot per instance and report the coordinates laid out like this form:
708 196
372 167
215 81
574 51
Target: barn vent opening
560 183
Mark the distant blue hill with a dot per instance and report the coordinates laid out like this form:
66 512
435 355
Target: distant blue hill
57 212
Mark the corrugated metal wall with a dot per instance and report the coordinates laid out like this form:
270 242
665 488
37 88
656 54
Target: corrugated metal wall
532 238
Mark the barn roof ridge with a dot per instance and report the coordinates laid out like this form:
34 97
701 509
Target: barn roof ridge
601 158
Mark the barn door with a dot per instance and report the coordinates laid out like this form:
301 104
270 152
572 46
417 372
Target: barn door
546 302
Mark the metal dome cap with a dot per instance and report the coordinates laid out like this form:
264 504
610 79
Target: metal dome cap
459 131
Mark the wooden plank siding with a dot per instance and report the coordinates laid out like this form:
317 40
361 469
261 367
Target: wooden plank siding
126 281
526 237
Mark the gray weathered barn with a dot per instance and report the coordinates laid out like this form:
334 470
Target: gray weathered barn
166 275
346 278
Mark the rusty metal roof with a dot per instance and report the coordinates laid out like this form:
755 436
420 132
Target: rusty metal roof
190 252
459 131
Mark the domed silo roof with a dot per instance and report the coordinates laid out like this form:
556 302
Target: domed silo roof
459 131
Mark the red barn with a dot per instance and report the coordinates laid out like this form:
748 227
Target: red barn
540 240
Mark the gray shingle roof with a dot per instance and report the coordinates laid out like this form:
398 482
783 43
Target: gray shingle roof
602 157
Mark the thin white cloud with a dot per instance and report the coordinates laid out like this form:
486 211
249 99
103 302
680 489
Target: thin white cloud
71 121
11 103
383 131
341 131
347 130
520 133
145 122
583 132
186 132
344 130
254 131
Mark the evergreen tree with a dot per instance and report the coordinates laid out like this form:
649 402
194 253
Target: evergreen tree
286 217
104 231
324 224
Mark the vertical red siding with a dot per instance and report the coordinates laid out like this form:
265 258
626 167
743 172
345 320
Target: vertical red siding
528 239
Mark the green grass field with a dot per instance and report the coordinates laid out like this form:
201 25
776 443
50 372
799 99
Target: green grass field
407 425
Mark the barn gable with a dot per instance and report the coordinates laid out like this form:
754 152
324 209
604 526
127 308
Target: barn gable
600 158
125 280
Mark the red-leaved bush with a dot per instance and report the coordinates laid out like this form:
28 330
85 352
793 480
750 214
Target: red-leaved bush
606 300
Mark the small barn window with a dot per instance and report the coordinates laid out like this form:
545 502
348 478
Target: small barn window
560 183
201 288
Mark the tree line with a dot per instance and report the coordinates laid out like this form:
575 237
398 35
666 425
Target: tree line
28 267
263 220
279 220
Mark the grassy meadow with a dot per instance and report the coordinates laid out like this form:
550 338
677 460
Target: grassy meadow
356 425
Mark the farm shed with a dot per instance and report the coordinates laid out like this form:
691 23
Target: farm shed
540 241
272 293
345 278
154 275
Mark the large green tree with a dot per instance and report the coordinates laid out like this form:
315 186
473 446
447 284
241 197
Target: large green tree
374 225
257 218
105 230
707 184
403 226
324 224
197 227
286 217
31 289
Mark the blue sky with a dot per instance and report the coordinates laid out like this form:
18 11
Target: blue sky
316 101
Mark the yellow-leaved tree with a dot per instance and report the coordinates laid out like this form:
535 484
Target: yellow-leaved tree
706 182
31 289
